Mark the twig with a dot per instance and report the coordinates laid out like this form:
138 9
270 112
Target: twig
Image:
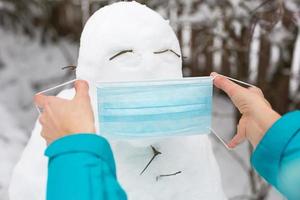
170 50
72 67
165 175
120 53
155 153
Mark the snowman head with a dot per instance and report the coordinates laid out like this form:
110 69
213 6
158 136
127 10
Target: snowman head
127 41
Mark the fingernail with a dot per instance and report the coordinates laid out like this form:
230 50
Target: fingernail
83 82
36 96
213 74
231 145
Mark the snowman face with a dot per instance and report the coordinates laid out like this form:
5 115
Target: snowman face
128 42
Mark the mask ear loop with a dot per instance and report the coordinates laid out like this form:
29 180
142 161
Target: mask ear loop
52 88
235 80
211 129
219 138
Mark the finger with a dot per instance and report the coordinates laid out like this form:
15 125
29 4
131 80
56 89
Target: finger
229 87
214 74
42 119
241 134
40 100
44 134
257 91
82 88
51 118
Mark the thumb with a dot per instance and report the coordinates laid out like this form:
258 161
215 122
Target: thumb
82 88
229 87
236 93
40 100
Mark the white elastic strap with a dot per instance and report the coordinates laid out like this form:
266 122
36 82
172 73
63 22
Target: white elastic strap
219 138
235 80
37 109
52 88
58 86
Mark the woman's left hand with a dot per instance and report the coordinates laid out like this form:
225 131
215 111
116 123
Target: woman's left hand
61 117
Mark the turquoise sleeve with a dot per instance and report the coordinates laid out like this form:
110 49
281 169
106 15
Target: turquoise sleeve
277 156
82 167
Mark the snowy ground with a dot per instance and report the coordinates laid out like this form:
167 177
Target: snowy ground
25 67
28 65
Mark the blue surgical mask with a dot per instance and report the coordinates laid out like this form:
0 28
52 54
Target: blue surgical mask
155 108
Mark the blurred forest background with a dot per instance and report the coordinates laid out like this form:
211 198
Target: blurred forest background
256 41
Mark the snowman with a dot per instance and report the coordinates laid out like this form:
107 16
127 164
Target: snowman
127 41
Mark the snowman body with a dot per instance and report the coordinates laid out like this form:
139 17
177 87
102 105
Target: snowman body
127 41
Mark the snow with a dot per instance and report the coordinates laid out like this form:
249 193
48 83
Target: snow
10 147
295 72
101 40
23 65
254 53
26 62
292 5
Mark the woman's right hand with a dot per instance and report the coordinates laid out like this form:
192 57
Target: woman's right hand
257 114
61 117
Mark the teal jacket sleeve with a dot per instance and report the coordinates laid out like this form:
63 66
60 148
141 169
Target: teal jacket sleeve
81 167
277 156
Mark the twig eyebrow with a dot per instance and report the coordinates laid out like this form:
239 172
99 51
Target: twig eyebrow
155 153
170 50
121 52
72 67
164 175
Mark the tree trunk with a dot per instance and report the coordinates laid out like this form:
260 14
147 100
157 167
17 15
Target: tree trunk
264 61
